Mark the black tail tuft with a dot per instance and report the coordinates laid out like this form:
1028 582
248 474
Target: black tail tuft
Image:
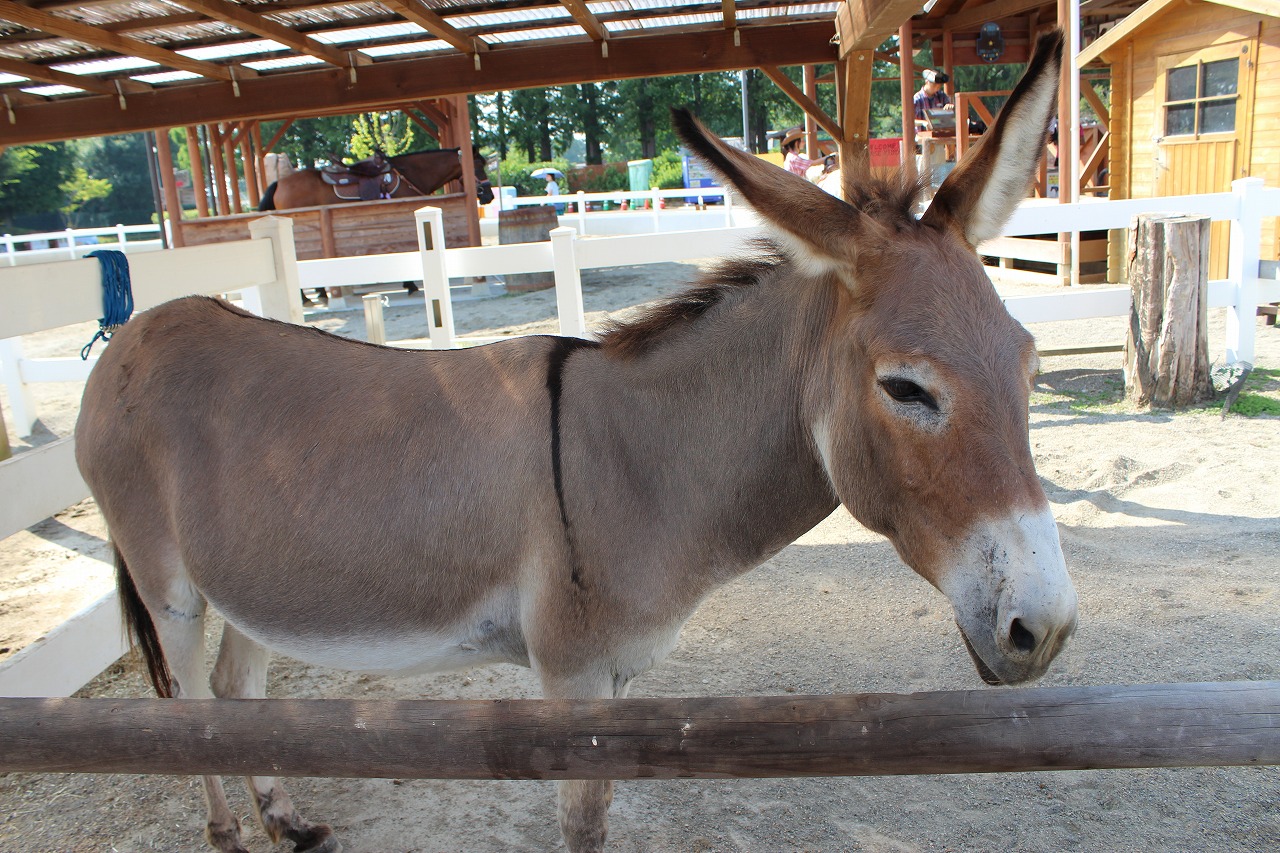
141 630
268 198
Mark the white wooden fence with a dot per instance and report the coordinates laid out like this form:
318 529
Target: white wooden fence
40 482
72 243
40 488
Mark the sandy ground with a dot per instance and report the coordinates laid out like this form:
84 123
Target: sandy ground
1170 527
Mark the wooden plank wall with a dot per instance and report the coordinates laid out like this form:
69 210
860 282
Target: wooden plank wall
1135 111
363 228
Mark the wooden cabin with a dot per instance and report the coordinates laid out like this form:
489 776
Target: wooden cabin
1195 104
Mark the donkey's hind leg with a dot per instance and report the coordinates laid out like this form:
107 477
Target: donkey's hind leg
241 673
180 629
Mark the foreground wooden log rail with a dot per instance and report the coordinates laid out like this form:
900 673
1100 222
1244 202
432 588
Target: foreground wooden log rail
975 731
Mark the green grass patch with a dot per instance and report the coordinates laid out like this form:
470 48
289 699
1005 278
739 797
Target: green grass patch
1252 405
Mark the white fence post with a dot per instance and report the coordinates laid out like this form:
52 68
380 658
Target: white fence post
20 399
1242 269
375 325
282 299
9 251
564 262
654 197
435 276
121 237
582 212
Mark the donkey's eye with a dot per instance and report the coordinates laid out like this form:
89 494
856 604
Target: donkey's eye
906 391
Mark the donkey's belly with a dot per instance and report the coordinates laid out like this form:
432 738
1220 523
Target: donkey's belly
491 633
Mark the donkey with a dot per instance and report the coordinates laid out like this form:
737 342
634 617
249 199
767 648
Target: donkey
566 504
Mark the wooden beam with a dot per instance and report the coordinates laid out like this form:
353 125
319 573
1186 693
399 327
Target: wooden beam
870 22
242 18
578 9
981 13
1227 724
809 79
792 91
172 204
326 89
430 129
198 184
413 10
44 74
856 122
59 26
1095 103
730 12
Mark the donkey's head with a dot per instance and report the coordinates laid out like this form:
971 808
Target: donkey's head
918 408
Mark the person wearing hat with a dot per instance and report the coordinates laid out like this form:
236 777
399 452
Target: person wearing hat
792 161
931 95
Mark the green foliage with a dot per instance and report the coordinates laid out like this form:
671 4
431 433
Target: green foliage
668 171
1252 405
389 132
121 161
80 189
30 181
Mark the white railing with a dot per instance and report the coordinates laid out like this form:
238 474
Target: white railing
37 483
72 243
648 207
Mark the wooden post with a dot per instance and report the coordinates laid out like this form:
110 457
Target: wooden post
906 86
250 166
173 205
1166 356
809 80
970 731
214 135
198 183
233 175
462 135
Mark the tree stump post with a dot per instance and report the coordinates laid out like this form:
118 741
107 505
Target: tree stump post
1166 355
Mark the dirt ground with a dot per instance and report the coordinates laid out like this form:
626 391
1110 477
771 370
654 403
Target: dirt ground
1171 528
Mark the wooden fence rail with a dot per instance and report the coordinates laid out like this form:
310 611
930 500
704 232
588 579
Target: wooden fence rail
977 731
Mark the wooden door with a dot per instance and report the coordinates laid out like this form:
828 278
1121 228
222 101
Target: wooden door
1204 101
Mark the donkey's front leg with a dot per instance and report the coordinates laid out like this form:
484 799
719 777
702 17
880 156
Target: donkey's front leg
583 804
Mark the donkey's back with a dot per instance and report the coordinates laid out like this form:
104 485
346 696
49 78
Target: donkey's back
218 465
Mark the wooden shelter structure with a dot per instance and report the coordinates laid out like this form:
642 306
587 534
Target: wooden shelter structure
77 68
1199 81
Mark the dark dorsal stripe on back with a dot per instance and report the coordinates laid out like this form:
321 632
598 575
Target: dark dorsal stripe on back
557 357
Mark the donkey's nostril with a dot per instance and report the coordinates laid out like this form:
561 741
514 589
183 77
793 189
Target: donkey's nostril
1022 639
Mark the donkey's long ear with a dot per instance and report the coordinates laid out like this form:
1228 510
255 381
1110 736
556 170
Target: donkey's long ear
981 194
814 224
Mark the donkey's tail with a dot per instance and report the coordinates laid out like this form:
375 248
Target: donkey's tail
141 629
268 198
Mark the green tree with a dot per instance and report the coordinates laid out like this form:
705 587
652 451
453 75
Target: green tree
79 190
389 132
30 180
122 161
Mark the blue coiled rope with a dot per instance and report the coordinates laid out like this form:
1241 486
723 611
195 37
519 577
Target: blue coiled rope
117 295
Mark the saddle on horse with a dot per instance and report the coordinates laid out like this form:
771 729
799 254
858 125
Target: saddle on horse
373 178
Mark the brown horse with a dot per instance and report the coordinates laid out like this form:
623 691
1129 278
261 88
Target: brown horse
418 173
566 504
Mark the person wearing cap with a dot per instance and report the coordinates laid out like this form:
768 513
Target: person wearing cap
791 159
931 95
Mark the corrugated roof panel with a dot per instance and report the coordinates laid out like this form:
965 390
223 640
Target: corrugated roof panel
534 35
374 33
405 48
793 11
226 51
283 62
166 77
663 21
106 66
11 78
114 13
509 16
52 91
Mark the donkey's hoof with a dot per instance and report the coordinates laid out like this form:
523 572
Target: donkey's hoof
318 838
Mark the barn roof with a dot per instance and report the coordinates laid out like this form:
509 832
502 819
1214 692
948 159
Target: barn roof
71 68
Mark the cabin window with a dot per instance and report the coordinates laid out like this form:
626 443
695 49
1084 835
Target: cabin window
1201 98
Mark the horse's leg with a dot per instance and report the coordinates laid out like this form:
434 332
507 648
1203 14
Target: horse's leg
241 673
583 804
180 628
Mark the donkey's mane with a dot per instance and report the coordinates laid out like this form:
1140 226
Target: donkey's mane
635 337
889 200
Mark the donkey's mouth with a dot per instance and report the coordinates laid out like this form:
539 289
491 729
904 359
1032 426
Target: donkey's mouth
984 671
